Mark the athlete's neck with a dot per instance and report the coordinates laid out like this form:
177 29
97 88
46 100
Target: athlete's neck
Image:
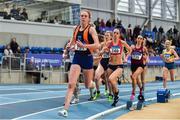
138 45
83 26
167 49
115 40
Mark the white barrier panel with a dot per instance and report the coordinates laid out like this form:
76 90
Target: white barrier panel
23 27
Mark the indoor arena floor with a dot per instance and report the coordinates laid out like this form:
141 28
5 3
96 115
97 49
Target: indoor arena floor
43 101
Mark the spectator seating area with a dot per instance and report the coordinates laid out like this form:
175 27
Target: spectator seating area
155 38
37 50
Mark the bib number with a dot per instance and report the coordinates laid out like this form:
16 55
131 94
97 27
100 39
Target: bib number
167 56
105 55
136 56
80 48
115 50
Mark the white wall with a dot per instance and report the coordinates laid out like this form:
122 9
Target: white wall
165 24
126 20
99 8
35 34
34 40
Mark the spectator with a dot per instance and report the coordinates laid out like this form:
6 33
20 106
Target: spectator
121 27
129 32
114 23
136 32
145 29
56 20
129 41
97 24
18 52
14 45
175 30
102 24
14 11
155 29
156 34
108 23
18 11
32 70
24 14
27 51
44 20
170 33
7 9
7 53
161 30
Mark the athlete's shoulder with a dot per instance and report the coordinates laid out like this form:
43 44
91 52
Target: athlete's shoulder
122 41
164 50
132 46
109 43
144 48
92 30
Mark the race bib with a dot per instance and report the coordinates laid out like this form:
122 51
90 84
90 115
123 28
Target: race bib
80 48
115 50
167 56
106 55
136 55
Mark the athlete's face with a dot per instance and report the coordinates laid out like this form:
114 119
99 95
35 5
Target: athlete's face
107 36
139 40
167 44
84 17
116 34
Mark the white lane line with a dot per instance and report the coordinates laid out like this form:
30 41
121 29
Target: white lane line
21 101
42 92
49 91
39 87
28 115
96 116
6 99
21 117
36 93
121 89
44 98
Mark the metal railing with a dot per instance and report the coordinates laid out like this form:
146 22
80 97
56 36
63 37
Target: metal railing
11 64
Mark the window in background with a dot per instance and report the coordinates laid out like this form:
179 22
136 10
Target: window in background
123 5
140 6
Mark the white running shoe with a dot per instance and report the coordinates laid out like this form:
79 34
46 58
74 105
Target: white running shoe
63 113
75 101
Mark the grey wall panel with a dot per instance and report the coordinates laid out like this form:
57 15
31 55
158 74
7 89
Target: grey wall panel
140 21
166 25
101 15
126 20
105 16
92 3
34 40
84 2
104 4
100 4
94 15
132 21
5 38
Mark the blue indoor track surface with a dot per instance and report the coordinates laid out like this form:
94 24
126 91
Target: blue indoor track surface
43 101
